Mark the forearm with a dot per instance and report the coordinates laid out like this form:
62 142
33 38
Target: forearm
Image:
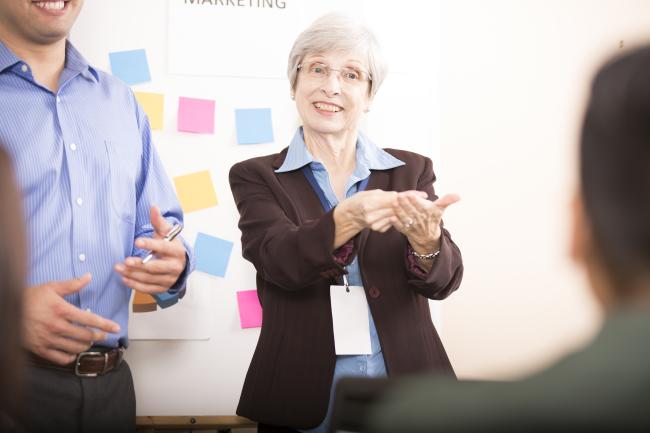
345 226
293 256
286 248
429 246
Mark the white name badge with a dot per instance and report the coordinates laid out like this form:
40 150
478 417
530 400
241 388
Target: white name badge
350 320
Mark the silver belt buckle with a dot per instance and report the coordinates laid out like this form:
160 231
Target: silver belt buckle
78 363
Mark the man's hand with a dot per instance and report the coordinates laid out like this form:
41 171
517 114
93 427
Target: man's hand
57 330
159 274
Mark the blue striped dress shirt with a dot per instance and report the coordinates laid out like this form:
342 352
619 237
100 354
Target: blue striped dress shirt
369 156
88 174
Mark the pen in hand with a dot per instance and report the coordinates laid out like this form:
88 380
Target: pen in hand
168 237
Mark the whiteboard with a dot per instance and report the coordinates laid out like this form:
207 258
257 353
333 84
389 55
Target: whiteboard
192 357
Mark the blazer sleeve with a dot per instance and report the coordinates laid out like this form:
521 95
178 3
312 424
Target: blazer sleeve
447 270
290 255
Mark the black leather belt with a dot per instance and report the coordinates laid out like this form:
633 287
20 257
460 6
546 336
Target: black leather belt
94 362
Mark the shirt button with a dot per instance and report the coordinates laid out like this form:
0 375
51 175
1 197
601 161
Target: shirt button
79 201
374 292
58 99
82 257
73 146
24 68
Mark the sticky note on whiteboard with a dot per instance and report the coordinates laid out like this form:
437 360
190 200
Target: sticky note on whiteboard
152 104
130 66
254 125
195 191
212 254
195 115
250 310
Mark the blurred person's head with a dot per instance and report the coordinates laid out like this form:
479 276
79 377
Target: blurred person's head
12 276
612 213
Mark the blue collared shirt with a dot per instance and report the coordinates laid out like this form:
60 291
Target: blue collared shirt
368 157
88 174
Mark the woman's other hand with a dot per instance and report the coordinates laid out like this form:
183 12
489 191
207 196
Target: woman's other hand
419 219
373 209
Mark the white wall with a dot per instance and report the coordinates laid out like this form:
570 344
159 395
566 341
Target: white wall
515 76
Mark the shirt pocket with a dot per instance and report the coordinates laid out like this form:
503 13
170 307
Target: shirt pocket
123 170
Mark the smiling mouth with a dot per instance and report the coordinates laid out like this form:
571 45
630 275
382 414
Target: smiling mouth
327 107
51 5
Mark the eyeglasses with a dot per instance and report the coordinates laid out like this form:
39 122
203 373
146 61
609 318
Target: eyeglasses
349 74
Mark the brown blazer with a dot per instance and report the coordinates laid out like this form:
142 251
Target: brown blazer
288 237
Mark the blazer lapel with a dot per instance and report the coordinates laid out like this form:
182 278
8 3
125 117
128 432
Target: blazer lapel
299 191
379 179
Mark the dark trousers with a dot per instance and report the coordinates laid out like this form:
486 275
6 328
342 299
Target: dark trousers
58 401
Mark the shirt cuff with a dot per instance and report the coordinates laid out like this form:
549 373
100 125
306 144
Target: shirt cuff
343 255
179 285
412 264
177 290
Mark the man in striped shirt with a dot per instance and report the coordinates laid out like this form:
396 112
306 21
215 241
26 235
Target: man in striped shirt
96 200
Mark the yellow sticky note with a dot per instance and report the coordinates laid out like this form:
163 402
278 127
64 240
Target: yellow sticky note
195 191
152 103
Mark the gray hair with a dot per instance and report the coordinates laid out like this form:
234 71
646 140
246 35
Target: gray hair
336 32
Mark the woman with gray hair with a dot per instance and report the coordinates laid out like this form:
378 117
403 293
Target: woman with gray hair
346 238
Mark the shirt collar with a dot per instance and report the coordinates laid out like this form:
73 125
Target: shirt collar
298 155
7 57
74 61
376 158
369 156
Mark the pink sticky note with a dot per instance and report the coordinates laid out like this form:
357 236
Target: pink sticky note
195 115
250 310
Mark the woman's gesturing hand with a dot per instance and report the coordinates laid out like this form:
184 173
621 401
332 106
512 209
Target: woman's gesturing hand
419 219
409 212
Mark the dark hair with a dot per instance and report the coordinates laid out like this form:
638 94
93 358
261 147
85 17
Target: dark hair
615 166
12 283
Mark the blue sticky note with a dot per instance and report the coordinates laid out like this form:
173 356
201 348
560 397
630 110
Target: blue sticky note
212 254
254 125
130 66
